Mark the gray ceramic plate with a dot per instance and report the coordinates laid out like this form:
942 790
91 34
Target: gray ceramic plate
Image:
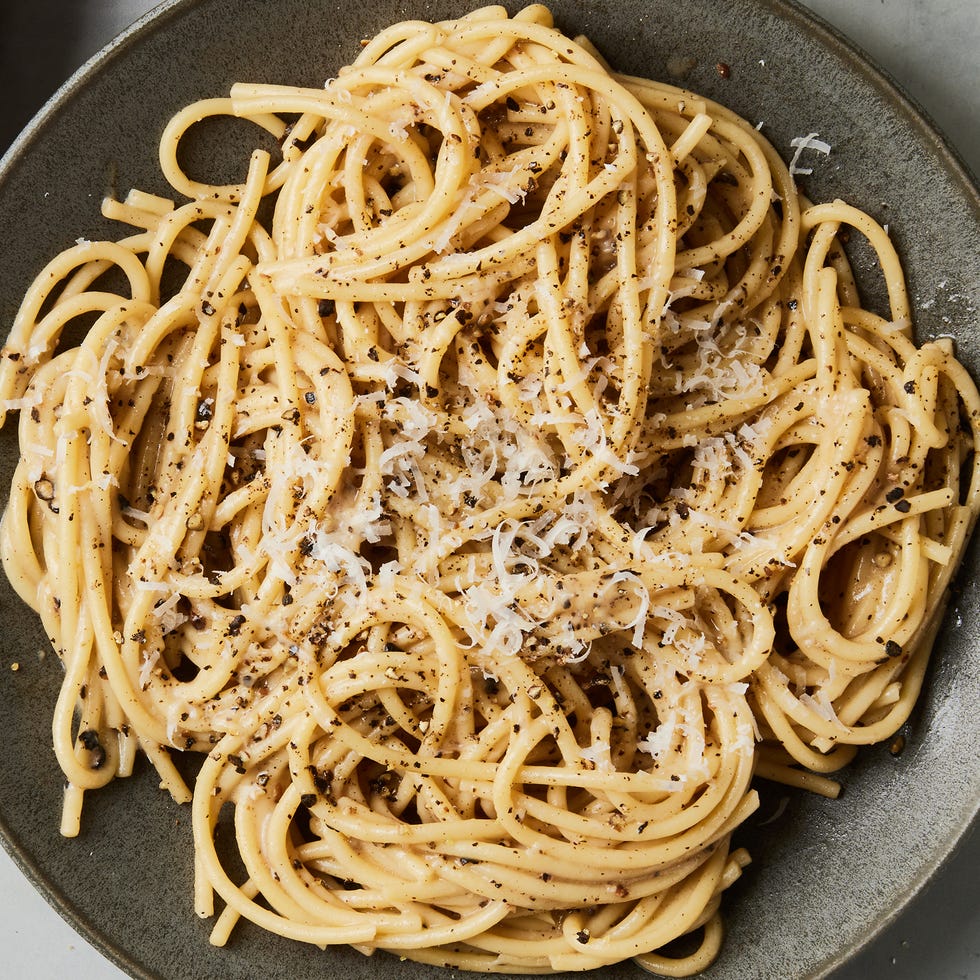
827 876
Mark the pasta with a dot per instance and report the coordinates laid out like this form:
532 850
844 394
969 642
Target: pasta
487 488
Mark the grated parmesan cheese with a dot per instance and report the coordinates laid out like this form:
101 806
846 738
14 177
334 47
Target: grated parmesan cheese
800 145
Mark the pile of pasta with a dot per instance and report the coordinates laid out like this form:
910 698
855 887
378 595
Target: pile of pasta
486 488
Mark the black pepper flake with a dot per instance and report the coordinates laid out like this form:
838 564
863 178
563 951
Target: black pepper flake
896 493
909 387
321 780
326 307
893 648
903 506
207 309
90 741
583 936
308 799
513 104
44 489
235 626
310 397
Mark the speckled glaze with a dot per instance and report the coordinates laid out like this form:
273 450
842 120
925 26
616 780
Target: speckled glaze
826 876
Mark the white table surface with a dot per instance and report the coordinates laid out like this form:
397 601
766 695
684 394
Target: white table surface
932 48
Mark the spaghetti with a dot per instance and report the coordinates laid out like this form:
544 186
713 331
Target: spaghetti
486 488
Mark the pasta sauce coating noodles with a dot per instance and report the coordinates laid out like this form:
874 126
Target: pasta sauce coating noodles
487 488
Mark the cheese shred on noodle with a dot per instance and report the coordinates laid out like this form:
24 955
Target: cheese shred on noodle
486 488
